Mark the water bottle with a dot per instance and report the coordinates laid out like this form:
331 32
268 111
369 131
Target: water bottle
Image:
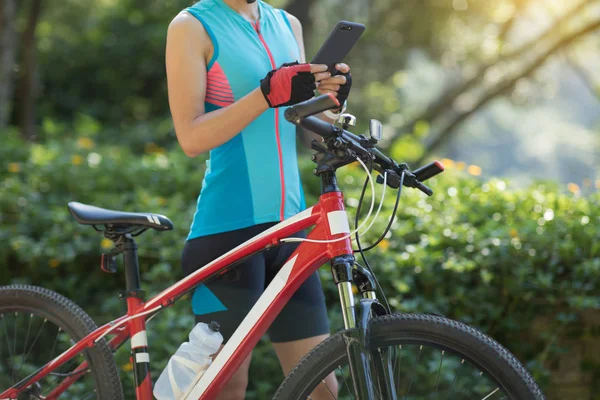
189 361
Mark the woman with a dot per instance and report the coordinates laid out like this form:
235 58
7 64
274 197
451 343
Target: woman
225 90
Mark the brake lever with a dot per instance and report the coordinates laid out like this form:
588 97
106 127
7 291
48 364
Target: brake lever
410 180
392 179
423 188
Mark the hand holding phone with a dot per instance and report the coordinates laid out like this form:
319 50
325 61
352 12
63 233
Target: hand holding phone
339 84
339 43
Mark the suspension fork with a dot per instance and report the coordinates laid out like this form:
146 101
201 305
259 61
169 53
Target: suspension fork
369 306
356 335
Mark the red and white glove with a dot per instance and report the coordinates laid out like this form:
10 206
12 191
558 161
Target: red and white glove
290 84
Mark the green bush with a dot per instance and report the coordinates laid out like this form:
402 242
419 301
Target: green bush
494 257
484 253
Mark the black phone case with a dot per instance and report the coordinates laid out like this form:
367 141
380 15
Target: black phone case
338 44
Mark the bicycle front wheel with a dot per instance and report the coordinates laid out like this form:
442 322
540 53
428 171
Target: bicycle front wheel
432 357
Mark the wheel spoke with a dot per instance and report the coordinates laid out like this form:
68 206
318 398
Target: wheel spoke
10 353
398 369
55 341
89 396
6 335
1 359
386 376
37 325
25 346
55 374
329 389
377 392
490 395
36 338
14 352
437 384
455 378
346 383
437 364
412 375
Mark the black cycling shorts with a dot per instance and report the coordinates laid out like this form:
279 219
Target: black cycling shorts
236 291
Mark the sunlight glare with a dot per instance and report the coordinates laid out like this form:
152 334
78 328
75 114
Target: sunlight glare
503 12
552 8
460 5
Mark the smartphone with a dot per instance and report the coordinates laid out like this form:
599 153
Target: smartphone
339 43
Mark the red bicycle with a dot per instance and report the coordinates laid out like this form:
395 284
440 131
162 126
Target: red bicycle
54 349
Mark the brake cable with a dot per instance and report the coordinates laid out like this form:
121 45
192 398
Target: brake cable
389 225
349 235
362 251
385 174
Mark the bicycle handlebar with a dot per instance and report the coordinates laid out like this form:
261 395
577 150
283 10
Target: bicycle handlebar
314 124
311 107
302 114
429 170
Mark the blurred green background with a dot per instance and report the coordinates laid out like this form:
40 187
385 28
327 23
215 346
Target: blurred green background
506 92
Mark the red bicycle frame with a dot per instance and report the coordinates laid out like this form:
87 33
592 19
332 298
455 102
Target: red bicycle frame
329 239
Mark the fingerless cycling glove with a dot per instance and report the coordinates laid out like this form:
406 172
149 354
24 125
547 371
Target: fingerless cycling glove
344 90
289 84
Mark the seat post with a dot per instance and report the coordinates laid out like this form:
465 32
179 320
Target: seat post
126 244
137 326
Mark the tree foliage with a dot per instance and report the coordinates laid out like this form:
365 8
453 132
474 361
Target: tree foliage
78 45
84 116
481 252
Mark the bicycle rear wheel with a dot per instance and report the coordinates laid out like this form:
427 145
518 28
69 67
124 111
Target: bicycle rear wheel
37 325
432 358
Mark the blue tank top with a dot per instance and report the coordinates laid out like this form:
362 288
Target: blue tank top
253 178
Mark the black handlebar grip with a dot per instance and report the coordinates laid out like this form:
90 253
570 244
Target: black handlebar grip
428 171
311 107
424 188
317 126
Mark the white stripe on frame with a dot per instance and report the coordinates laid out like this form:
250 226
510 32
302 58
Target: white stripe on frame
197 389
142 358
139 340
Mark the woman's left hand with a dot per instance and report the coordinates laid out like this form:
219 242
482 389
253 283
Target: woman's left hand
339 84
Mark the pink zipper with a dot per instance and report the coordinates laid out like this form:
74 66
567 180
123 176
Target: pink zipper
277 135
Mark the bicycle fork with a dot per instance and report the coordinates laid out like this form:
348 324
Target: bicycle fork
371 371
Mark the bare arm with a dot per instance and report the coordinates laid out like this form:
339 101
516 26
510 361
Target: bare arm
188 45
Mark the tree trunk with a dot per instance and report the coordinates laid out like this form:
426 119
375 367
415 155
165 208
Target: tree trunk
445 133
301 10
8 46
27 86
439 106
